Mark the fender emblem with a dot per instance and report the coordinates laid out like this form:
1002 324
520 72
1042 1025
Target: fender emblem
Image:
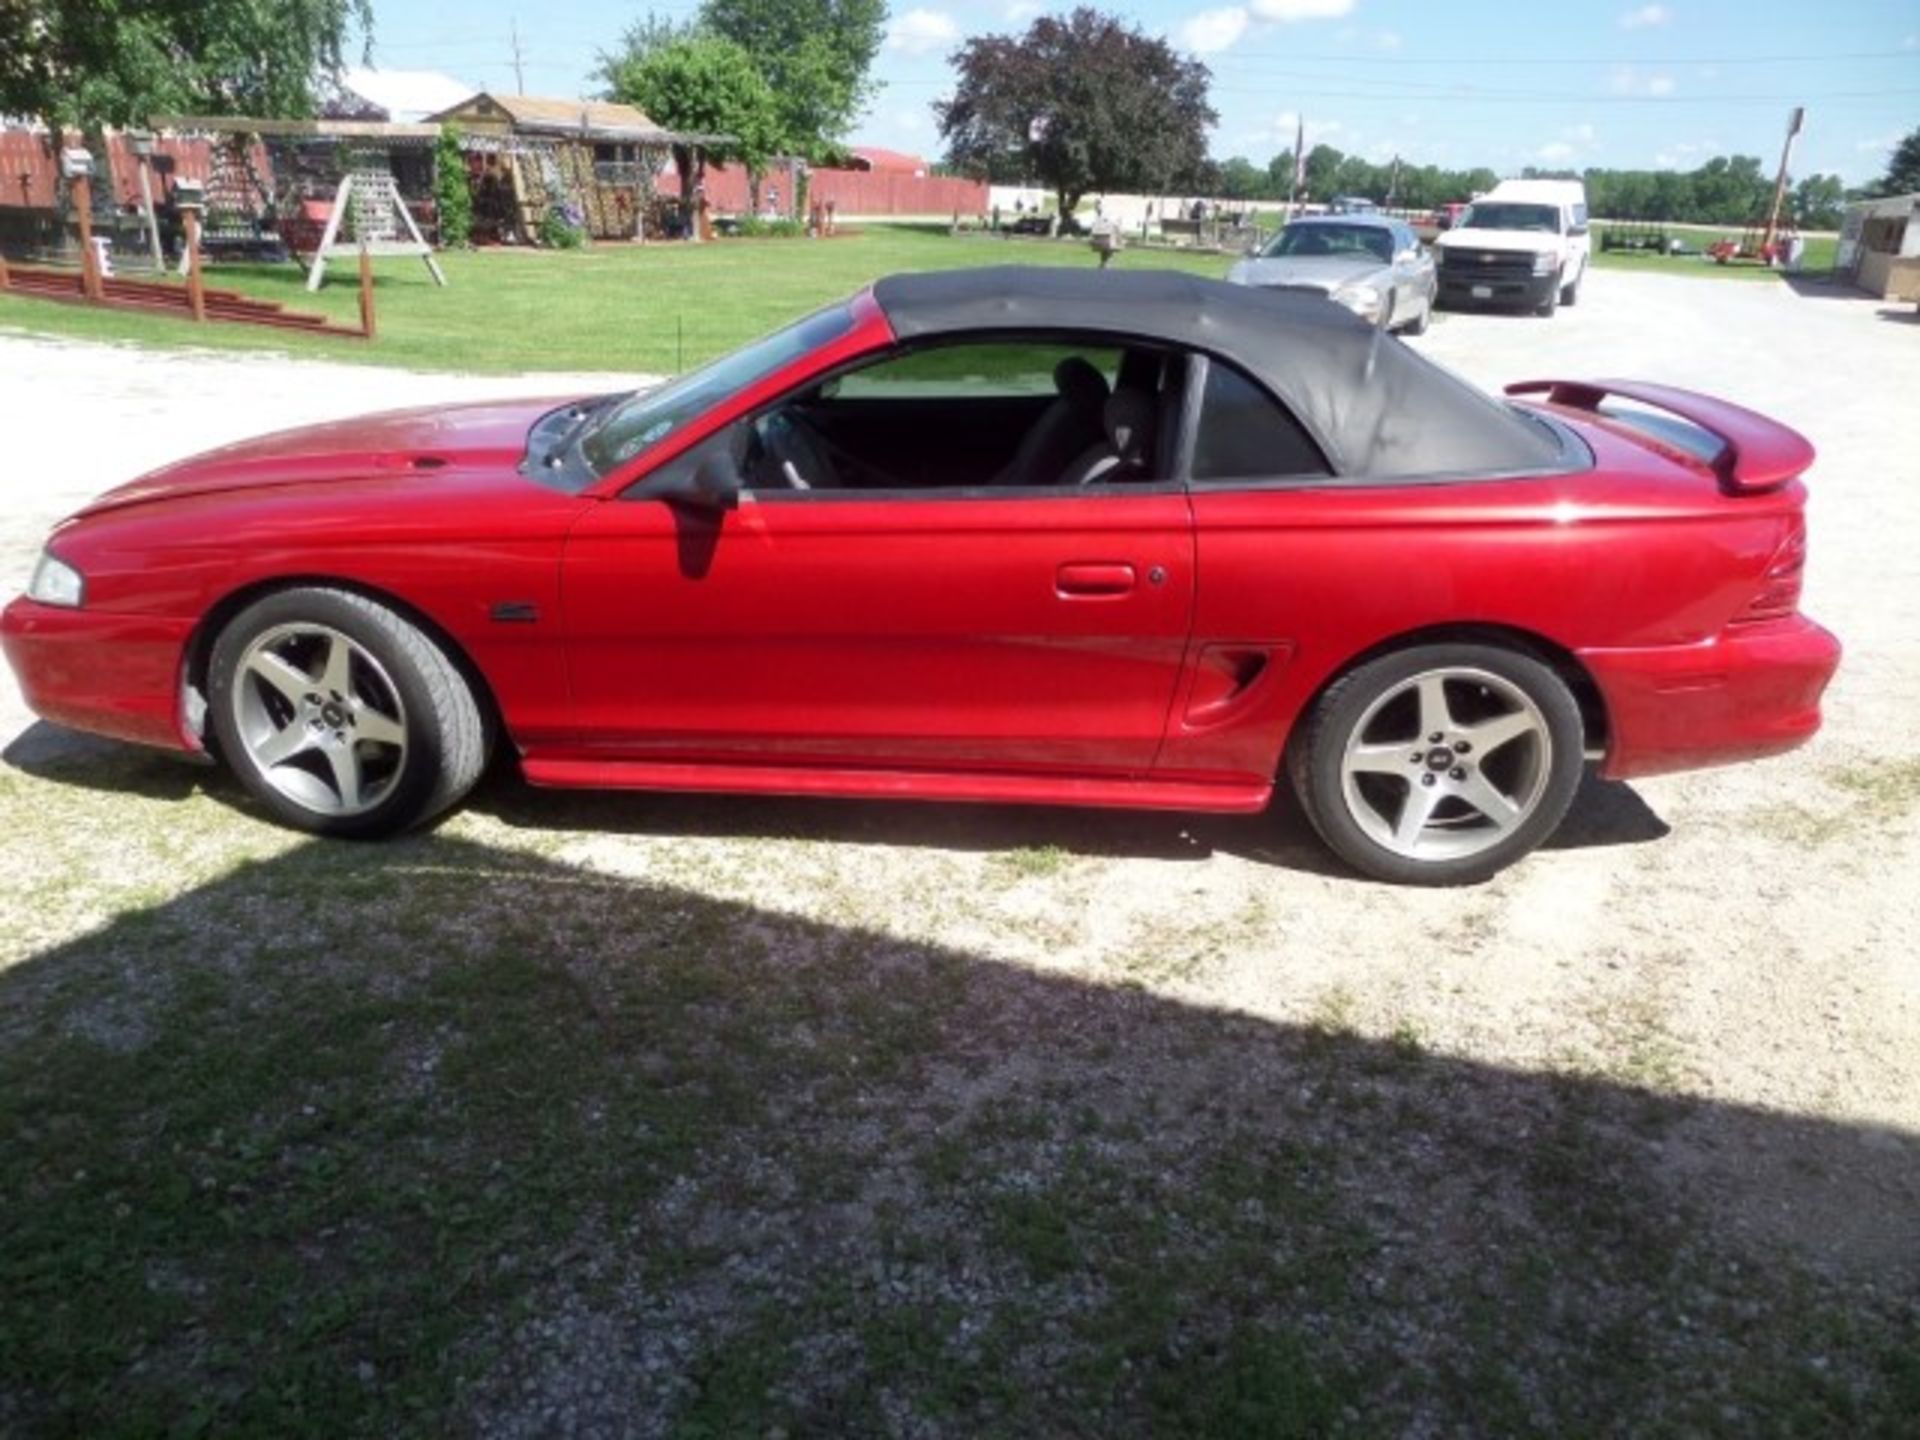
514 612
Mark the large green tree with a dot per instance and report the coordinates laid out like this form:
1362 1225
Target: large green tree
705 85
816 55
1083 102
115 62
1903 170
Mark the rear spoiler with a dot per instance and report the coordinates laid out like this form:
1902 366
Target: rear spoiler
1756 454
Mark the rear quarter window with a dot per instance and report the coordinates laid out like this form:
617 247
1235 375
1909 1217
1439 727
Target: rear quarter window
1245 434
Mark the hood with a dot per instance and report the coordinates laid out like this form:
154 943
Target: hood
1312 272
400 444
1514 242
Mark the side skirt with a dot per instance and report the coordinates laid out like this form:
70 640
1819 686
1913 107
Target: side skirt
1233 798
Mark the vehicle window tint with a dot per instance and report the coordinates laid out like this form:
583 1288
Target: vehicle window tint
983 371
1245 435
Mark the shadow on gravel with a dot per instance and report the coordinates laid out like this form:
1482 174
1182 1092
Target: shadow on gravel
1604 813
434 1138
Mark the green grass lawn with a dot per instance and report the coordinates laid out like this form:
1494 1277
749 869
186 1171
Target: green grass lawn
653 308
1817 260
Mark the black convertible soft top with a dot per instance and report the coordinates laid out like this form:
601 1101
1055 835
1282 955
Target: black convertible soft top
1378 409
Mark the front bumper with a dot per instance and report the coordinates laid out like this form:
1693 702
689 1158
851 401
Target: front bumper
113 675
1458 290
1751 691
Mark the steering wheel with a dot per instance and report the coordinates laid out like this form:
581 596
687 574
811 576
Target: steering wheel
795 454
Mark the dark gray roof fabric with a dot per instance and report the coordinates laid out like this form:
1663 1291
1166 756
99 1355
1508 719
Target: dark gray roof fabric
1378 409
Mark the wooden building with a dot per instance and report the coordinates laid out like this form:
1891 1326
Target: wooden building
596 160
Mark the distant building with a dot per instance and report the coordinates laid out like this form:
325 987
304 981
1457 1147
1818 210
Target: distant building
886 162
528 154
1873 235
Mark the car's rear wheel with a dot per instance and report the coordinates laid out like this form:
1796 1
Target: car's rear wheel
1439 764
342 717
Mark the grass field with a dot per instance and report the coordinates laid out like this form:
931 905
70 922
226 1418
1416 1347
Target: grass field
1817 260
654 309
651 309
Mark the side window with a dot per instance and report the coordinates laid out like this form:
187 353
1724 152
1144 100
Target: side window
995 370
1245 435
1011 413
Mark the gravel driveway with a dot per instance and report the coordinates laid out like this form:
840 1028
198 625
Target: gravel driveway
1742 937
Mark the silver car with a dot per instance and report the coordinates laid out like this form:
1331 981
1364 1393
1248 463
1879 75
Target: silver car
1372 264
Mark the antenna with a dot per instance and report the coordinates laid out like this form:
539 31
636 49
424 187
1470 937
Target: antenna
519 79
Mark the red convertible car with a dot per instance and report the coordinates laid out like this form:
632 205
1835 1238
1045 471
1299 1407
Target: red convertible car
1113 538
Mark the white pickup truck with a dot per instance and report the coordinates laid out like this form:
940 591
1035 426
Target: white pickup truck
1523 244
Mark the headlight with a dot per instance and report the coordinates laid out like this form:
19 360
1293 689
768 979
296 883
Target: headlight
55 582
1545 263
1363 300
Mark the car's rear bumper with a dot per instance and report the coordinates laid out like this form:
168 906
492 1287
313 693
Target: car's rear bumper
1751 691
115 675
1459 291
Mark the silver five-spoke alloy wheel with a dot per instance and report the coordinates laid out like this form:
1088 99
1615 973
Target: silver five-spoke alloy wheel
320 718
1446 764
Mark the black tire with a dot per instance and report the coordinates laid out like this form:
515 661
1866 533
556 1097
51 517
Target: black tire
1316 759
446 733
1546 308
1570 294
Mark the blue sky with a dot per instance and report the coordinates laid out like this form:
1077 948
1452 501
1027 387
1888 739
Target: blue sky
1632 83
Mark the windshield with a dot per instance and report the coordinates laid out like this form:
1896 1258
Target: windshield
645 419
1507 216
1351 240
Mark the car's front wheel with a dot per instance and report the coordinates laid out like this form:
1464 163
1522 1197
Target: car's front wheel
1439 764
342 717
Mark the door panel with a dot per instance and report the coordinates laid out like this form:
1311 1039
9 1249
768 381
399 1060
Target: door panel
918 631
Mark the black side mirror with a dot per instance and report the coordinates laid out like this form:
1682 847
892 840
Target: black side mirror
709 479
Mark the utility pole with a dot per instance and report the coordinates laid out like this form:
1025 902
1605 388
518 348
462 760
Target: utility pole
519 79
1794 122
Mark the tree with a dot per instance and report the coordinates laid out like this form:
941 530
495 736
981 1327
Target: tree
1082 103
705 85
1903 170
94 64
814 54
637 42
1323 163
452 190
1818 202
1241 179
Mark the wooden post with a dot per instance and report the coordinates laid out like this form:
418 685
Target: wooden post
5 279
89 262
143 151
366 290
196 289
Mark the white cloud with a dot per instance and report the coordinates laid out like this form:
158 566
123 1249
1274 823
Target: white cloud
1387 40
1020 11
1288 11
919 32
1571 142
1213 30
1626 80
1645 17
